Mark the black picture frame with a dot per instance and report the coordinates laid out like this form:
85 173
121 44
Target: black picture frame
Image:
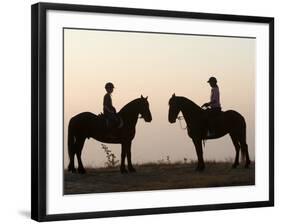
39 114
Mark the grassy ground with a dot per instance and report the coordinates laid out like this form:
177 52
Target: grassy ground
158 176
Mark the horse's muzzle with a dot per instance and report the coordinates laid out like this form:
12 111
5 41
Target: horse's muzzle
148 119
172 120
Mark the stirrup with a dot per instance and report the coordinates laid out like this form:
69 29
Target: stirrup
210 133
121 123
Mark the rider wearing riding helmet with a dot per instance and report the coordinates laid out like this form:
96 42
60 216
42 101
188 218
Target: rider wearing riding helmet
108 109
214 106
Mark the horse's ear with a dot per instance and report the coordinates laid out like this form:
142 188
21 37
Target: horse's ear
174 95
141 96
146 97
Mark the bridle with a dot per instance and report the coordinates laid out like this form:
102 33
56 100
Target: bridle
180 118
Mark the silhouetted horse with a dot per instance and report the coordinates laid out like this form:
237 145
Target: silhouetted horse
88 125
228 122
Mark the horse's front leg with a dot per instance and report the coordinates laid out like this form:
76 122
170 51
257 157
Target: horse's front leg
199 151
123 156
130 166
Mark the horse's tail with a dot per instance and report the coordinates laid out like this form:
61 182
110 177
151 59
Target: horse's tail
70 139
243 142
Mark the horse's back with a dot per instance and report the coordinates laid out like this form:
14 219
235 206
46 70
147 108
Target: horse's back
233 117
83 118
84 123
233 113
84 115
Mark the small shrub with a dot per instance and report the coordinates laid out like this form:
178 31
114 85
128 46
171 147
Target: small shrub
161 161
110 156
168 160
164 161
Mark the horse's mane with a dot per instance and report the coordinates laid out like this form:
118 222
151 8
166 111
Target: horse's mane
188 102
135 101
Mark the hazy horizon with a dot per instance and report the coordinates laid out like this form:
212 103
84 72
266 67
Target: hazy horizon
157 65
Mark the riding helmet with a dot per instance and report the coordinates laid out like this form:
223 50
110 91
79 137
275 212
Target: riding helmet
109 85
212 79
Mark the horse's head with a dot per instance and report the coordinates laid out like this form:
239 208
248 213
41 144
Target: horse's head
144 109
173 109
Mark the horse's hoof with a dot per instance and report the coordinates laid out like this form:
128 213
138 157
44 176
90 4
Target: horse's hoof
247 165
200 168
132 170
81 170
123 171
234 166
72 170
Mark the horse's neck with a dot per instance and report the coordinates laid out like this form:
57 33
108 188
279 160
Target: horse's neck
130 113
190 111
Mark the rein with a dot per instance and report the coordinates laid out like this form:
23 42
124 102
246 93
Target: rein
180 118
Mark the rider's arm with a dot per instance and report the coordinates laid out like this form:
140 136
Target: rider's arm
109 109
107 104
206 104
212 101
214 96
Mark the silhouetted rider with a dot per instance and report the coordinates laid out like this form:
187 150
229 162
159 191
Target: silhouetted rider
108 109
213 107
214 104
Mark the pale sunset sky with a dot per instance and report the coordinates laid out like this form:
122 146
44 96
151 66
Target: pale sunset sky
157 65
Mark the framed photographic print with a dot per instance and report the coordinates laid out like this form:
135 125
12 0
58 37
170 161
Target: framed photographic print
140 111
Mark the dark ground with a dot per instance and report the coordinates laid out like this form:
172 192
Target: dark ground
158 176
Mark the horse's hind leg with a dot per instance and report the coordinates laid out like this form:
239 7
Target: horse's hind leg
244 149
71 163
79 147
71 150
237 149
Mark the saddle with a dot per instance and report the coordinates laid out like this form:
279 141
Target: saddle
112 123
211 122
